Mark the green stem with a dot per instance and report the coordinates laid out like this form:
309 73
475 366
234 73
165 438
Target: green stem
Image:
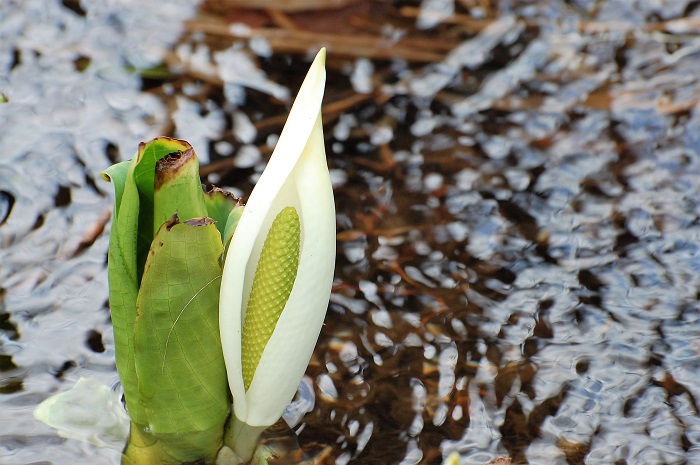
242 438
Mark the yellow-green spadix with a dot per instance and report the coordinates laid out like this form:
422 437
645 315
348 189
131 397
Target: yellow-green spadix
279 269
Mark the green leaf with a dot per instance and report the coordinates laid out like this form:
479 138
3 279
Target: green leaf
145 448
130 240
143 176
149 153
220 204
180 366
117 174
224 208
124 279
177 188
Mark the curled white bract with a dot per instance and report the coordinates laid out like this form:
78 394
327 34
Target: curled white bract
89 412
297 176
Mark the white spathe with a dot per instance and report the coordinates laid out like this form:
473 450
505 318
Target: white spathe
90 412
297 176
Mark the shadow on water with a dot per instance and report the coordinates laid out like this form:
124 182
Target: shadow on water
517 189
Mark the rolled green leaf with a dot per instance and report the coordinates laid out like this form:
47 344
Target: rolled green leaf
144 448
224 208
129 242
219 205
165 261
177 188
124 278
179 363
143 176
117 175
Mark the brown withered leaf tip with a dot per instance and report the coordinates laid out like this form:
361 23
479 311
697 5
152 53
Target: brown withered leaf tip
218 190
170 165
172 221
205 221
174 159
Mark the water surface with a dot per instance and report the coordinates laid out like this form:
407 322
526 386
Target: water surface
517 193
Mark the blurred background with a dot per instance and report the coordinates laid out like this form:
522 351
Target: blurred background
517 187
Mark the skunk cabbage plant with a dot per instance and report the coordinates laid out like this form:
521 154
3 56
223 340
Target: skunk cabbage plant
278 275
212 301
165 262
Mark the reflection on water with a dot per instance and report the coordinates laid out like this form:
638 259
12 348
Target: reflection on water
518 261
74 107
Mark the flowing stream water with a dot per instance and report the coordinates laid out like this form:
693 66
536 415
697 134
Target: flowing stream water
518 262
